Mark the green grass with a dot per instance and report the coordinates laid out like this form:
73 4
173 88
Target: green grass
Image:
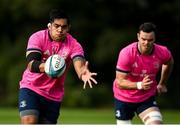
86 116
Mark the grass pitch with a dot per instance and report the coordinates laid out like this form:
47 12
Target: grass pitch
86 116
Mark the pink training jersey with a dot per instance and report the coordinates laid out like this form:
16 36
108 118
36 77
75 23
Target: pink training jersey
130 60
51 88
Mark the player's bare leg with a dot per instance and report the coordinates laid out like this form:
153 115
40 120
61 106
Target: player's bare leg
29 119
151 116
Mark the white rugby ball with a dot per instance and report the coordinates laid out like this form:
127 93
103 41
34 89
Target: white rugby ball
55 66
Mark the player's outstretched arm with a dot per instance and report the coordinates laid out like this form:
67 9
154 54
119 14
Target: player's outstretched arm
81 68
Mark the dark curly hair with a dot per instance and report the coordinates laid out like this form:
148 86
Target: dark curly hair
58 14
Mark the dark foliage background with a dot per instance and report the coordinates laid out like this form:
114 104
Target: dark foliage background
102 27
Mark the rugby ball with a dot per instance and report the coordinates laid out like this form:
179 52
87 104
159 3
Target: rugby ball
55 66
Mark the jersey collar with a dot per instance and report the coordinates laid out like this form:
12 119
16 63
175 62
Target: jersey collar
49 36
140 52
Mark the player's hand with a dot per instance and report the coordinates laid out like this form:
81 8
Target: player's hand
146 83
161 88
87 77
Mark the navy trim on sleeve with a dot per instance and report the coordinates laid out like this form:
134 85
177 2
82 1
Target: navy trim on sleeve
30 49
79 56
122 71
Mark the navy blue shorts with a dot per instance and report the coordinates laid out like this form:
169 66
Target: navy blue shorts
126 110
31 103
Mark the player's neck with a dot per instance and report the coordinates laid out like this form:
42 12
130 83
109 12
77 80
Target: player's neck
145 52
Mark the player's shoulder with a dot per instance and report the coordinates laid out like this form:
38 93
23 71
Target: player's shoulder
38 37
39 33
129 50
159 47
71 40
70 37
132 46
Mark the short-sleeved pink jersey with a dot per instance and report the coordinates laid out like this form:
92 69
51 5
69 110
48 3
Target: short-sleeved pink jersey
137 66
51 88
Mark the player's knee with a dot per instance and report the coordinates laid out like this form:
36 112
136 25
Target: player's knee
153 117
124 122
30 119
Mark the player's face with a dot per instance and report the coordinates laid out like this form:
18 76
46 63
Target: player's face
146 41
58 29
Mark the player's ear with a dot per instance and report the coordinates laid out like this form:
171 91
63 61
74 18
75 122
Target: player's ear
49 25
138 35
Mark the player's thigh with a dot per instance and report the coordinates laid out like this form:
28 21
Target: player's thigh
49 112
28 106
123 110
149 112
151 116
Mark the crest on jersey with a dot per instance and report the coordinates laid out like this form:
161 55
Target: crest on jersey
135 65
